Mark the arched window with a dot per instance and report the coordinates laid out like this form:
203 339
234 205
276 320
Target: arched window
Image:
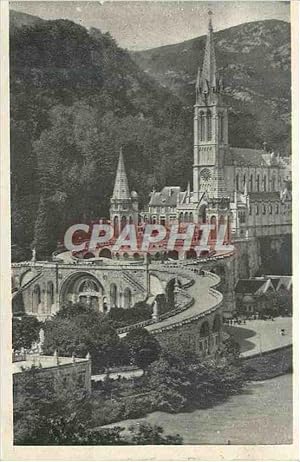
186 217
237 182
191 217
113 295
263 209
251 183
123 222
273 182
213 232
181 217
221 127
277 209
50 295
209 126
257 209
201 126
265 183
204 330
271 209
36 299
257 183
250 209
244 180
116 226
127 298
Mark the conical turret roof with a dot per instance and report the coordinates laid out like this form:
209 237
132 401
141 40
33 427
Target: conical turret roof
121 189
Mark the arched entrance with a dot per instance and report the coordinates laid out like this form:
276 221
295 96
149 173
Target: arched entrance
105 253
88 255
173 254
83 288
191 254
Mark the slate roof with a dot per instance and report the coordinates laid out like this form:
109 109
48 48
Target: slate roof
249 286
167 197
246 157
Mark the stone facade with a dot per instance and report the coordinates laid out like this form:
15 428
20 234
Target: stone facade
45 286
203 336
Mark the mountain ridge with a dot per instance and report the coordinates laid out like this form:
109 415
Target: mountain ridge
254 60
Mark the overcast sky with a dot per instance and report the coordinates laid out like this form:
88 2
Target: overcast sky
140 25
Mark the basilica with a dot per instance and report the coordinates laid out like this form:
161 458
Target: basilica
248 190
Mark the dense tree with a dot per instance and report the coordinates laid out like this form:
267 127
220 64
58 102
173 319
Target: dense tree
81 330
139 312
143 348
25 331
179 381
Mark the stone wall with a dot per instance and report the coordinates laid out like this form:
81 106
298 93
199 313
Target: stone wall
79 372
200 336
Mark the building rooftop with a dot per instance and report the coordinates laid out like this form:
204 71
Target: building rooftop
249 286
169 196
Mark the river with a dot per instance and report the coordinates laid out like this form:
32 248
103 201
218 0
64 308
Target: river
261 415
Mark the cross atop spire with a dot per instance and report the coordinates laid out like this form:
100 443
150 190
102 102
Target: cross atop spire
121 189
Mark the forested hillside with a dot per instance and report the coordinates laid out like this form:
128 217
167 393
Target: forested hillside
76 97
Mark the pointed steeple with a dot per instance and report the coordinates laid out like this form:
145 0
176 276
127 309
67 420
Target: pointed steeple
209 68
208 83
121 189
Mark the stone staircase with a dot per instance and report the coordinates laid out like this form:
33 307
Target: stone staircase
25 286
128 277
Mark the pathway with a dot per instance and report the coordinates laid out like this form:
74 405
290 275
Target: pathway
259 336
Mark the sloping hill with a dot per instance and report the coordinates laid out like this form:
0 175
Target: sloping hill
76 97
18 19
254 60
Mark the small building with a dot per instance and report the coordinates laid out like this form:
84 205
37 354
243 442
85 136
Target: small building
249 295
261 293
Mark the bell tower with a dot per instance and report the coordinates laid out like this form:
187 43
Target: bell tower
123 204
210 126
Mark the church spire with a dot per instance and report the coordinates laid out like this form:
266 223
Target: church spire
121 189
207 80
